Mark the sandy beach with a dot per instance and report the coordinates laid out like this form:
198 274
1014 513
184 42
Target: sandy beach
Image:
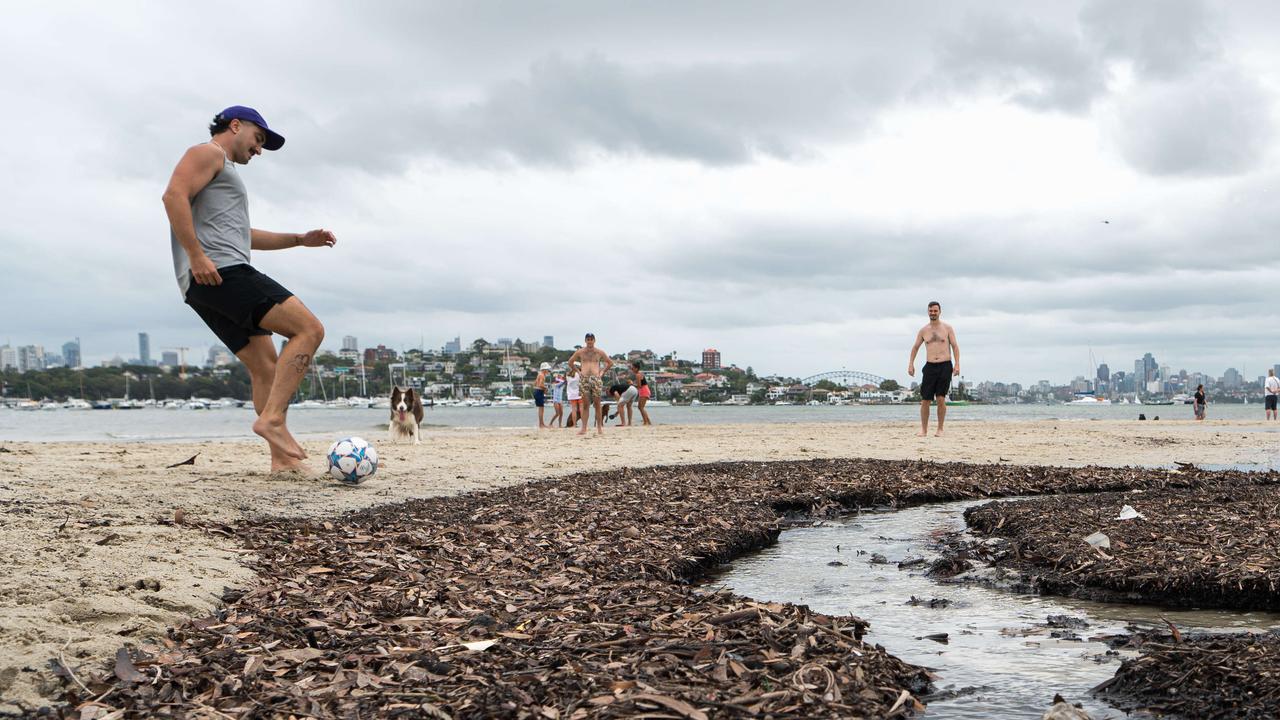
94 556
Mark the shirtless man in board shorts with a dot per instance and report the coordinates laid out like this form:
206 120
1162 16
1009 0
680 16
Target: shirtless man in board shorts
940 343
591 384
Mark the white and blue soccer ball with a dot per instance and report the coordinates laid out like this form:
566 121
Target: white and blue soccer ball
352 460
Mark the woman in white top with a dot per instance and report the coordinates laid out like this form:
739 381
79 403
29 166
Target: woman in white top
573 394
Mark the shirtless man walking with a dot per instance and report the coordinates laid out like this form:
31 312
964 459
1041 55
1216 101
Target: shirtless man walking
595 363
940 343
208 209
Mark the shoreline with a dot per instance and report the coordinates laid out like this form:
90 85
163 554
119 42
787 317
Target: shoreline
61 500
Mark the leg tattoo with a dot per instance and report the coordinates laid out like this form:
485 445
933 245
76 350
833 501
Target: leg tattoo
301 362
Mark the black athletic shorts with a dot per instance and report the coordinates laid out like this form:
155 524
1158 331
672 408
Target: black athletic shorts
539 397
233 309
936 380
1271 402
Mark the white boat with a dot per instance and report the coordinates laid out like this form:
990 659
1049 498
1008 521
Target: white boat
26 405
657 403
307 405
76 404
50 405
511 401
196 404
738 400
357 401
1089 399
381 404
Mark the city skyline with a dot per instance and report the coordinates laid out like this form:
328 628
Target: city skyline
197 355
792 184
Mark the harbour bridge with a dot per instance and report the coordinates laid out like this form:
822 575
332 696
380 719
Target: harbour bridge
844 378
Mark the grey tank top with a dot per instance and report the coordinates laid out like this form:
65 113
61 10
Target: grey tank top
221 215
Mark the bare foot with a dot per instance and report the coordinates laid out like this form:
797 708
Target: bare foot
278 437
283 463
938 434
583 431
923 433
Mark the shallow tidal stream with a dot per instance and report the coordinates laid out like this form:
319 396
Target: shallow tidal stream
1001 659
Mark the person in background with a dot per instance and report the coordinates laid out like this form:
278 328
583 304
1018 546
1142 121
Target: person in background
1200 402
644 394
573 394
540 393
1271 391
557 401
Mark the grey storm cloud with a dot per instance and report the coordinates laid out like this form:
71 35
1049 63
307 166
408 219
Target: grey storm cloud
565 110
1039 67
1215 122
1162 38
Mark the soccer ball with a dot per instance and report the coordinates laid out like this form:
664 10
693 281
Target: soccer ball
352 460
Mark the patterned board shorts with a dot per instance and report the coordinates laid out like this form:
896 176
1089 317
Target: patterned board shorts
590 387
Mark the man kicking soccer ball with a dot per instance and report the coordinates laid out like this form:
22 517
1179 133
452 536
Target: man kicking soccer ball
208 209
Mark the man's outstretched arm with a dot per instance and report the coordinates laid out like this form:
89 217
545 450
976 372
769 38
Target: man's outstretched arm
267 240
955 352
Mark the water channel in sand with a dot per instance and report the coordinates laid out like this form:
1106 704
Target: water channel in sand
1001 659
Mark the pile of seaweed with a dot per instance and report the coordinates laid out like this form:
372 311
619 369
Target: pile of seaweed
1206 677
1213 544
563 598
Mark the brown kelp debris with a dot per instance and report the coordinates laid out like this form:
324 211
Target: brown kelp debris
1209 677
1213 545
564 598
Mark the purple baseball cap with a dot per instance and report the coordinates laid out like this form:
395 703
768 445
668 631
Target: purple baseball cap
239 112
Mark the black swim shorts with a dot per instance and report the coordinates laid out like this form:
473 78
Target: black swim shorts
539 397
233 309
1271 402
935 381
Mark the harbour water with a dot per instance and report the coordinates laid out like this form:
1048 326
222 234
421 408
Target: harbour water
160 425
996 653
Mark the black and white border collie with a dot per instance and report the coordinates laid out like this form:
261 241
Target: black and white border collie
406 415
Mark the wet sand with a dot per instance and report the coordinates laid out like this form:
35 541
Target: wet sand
93 558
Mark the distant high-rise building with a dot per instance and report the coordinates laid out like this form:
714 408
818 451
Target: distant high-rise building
144 349
71 354
454 346
504 343
219 356
30 357
711 359
349 343
1104 372
8 357
169 358
548 341
1231 379
1149 367
1277 369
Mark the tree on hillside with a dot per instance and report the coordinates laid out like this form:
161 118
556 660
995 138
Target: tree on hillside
890 385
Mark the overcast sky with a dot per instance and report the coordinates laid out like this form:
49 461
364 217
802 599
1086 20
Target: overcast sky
788 182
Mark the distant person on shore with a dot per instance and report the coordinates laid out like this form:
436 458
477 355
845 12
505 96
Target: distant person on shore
595 363
210 236
540 393
1200 402
624 394
644 393
573 393
557 401
1271 391
940 344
